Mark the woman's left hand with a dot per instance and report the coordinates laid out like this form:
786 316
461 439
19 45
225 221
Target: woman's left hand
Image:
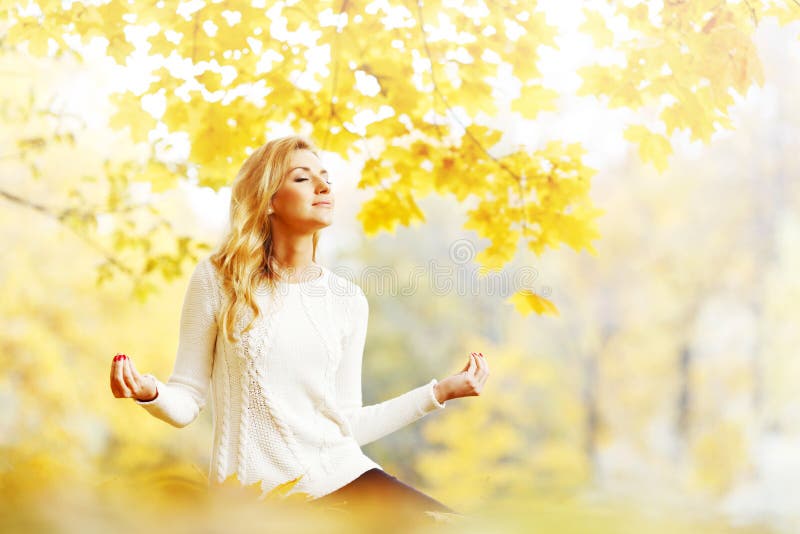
469 382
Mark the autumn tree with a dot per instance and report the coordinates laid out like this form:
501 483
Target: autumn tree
409 88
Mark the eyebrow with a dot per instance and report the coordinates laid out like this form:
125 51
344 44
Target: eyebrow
323 171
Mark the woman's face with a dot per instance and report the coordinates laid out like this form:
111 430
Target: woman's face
304 203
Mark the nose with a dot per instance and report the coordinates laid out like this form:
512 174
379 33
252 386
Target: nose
322 185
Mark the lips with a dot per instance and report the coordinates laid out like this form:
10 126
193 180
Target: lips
323 203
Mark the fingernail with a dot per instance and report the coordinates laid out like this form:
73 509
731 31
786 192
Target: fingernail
124 357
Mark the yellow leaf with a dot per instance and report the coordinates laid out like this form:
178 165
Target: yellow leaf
130 113
691 111
39 44
595 25
500 251
232 486
159 176
638 14
373 173
653 148
340 141
388 208
533 99
526 301
281 492
472 96
211 80
598 79
119 48
785 13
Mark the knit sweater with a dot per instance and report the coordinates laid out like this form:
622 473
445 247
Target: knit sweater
286 397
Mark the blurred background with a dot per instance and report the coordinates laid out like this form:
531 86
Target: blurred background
643 377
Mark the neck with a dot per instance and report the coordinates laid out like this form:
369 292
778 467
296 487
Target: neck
294 256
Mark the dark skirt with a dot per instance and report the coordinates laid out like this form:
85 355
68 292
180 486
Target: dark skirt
377 488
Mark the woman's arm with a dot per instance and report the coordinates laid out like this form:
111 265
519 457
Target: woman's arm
182 398
369 423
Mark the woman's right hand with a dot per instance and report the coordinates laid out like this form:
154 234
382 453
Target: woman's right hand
126 382
469 382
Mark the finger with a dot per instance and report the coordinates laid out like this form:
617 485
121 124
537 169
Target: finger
130 381
486 373
137 379
484 376
485 366
113 366
472 365
477 375
114 388
136 375
123 388
481 366
117 385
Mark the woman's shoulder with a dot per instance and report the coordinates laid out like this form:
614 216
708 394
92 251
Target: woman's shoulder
208 275
205 266
343 284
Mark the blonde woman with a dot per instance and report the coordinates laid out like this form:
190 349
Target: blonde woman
276 339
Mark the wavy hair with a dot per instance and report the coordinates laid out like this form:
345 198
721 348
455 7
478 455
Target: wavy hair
244 258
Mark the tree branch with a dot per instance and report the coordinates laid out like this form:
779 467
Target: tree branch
752 12
47 212
515 176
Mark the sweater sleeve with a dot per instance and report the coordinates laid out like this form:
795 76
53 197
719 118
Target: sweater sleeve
372 422
181 399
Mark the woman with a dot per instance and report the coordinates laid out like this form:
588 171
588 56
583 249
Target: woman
278 340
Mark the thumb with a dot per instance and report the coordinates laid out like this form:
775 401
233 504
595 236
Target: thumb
142 379
469 361
472 365
136 374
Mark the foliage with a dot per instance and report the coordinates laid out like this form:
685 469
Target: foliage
407 88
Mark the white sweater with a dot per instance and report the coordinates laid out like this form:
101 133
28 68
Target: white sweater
286 398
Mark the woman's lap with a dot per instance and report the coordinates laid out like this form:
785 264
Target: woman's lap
377 488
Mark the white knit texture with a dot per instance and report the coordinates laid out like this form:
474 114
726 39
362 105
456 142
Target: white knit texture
286 397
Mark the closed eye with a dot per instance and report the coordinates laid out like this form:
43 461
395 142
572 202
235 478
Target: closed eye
303 178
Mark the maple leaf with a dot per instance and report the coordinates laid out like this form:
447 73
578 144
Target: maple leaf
233 487
526 301
534 99
653 148
595 25
281 492
421 127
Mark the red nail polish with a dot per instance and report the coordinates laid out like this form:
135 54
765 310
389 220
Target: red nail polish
124 357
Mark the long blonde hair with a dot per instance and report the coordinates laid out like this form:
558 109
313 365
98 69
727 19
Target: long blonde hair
244 258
